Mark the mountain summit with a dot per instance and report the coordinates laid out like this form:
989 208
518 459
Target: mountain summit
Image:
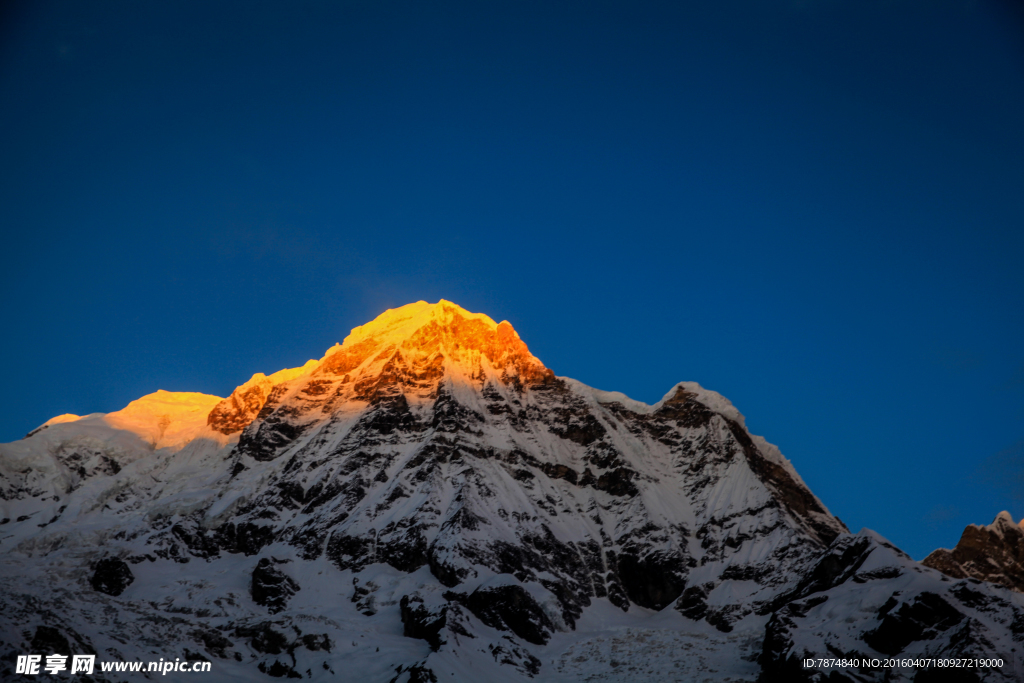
408 349
429 502
427 341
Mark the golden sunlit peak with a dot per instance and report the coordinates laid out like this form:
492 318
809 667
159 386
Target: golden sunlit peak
421 333
160 402
408 318
60 419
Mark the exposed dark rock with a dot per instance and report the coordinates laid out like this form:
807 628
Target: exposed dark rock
417 673
654 580
993 553
244 537
264 440
877 574
363 596
590 552
613 584
618 482
537 553
510 654
390 414
48 640
111 576
778 662
745 572
420 622
522 475
348 552
916 620
587 478
509 608
722 618
838 564
449 576
693 603
318 387
279 670
52 640
571 419
263 638
316 642
271 587
450 416
405 549
214 641
560 472
781 663
616 595
196 540
685 410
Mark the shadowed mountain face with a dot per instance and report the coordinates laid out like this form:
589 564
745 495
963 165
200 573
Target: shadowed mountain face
992 553
429 502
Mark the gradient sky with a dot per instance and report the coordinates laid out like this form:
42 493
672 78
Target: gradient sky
815 208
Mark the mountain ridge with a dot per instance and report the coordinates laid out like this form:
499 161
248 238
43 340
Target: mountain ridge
431 486
993 553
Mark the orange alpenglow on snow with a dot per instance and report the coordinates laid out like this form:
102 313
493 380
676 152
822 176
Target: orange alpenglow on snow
432 338
244 404
410 348
164 418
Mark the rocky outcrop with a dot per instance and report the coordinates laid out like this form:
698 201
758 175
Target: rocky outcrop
234 413
49 639
270 586
420 622
509 608
993 553
111 576
923 618
890 607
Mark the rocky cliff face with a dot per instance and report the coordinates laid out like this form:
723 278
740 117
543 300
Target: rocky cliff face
992 553
430 502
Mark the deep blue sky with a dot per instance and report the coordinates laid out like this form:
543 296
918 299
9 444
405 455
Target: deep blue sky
815 208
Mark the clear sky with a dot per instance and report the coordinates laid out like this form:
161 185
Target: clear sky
815 208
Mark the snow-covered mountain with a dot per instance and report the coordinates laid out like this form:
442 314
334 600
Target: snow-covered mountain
429 502
992 553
